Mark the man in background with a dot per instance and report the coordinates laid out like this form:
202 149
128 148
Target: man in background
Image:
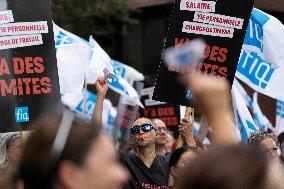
161 137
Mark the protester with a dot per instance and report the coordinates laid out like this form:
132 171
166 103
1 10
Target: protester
231 167
266 141
147 169
161 137
86 160
101 87
179 159
226 165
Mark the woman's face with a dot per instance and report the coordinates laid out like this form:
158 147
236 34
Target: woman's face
101 169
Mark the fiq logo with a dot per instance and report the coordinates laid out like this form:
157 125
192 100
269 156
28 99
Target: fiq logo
255 69
22 114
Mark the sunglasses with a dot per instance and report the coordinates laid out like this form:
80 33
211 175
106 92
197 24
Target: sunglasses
145 128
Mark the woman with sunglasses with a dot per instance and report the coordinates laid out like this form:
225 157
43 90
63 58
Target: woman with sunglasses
70 153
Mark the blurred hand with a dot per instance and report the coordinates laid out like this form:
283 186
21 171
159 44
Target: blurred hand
101 86
211 93
185 129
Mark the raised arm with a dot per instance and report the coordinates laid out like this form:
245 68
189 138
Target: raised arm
186 132
213 96
101 88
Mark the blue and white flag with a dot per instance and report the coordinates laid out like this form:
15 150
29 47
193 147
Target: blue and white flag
72 55
260 119
100 61
129 73
261 63
121 86
242 115
279 117
84 104
243 93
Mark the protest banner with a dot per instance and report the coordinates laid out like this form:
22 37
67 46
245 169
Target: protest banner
221 24
168 113
28 69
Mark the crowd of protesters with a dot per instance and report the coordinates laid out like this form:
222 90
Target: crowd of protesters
66 152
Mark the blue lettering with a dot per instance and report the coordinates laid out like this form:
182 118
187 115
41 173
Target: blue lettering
22 114
255 69
89 104
254 34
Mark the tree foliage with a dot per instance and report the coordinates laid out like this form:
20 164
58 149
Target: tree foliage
101 18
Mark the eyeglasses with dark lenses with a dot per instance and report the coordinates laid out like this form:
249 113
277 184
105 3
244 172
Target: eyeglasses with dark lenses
145 128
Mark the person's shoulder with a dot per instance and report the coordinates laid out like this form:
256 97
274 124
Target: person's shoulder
126 155
164 159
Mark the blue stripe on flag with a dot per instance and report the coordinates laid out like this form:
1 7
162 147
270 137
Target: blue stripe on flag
259 16
242 129
281 114
251 125
63 39
279 107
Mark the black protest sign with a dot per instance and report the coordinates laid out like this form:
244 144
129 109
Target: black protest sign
28 69
168 113
221 24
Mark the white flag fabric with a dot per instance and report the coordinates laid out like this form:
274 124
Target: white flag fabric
261 63
99 62
84 104
279 117
260 119
242 115
76 102
243 93
129 73
72 55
